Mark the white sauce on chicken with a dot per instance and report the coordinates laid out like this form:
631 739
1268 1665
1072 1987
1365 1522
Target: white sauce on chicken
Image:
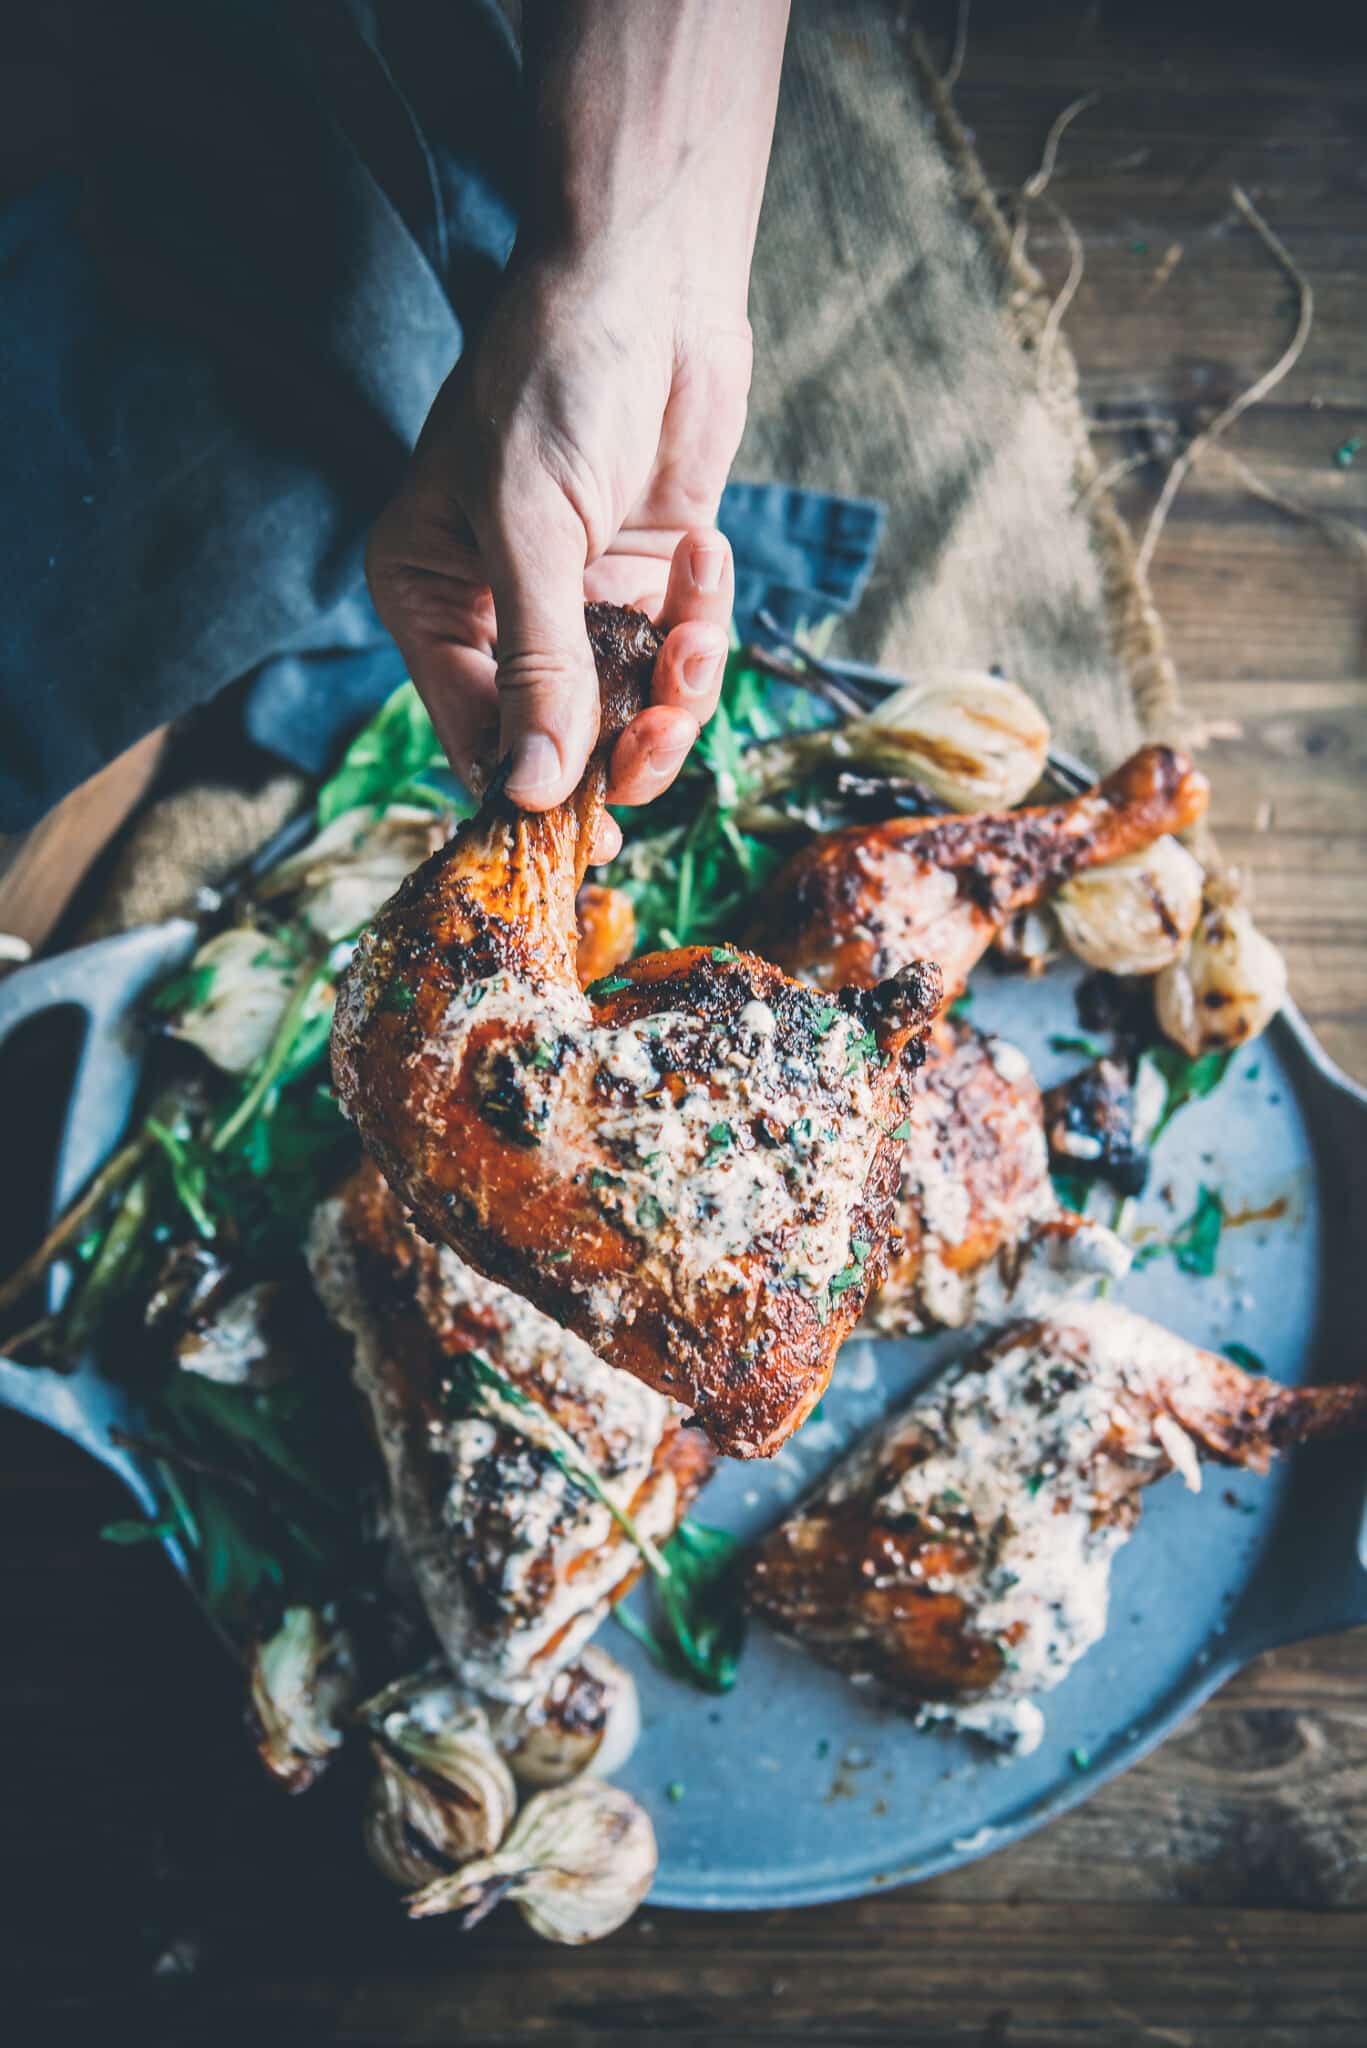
773 1143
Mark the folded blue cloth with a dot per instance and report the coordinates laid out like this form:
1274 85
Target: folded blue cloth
222 330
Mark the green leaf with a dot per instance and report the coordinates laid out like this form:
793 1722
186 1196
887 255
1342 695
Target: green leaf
607 985
185 991
701 1622
1185 1079
139 1532
1072 1189
1090 1048
1194 1244
1242 1356
387 761
188 1175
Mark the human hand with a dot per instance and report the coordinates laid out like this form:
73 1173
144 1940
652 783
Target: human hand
580 452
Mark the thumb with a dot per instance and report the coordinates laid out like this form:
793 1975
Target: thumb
547 681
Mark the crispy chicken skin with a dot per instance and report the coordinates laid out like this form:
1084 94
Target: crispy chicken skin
854 906
962 1556
514 1564
982 1233
693 1165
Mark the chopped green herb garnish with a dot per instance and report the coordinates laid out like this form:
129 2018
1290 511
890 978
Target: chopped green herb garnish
1347 452
1080 1759
599 1177
861 1247
674 1791
861 1048
961 1003
721 954
475 994
543 1056
398 996
851 1277
1090 1048
1034 1482
720 1134
649 1214
800 1132
607 985
1242 1356
903 1131
824 1018
559 1258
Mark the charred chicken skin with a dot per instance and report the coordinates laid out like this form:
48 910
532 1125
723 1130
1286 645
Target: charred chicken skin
854 906
982 1232
961 1558
514 1563
692 1165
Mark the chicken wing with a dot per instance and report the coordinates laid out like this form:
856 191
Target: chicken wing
692 1165
853 906
514 1563
981 1233
962 1557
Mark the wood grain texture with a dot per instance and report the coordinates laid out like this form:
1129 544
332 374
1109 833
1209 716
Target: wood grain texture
1216 1897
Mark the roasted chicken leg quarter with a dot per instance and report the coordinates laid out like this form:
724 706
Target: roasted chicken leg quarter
961 1558
983 1235
855 905
692 1165
514 1562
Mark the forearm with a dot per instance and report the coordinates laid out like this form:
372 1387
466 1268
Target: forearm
653 125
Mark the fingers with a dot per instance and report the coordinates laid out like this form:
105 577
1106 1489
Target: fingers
547 682
608 843
702 580
650 753
696 615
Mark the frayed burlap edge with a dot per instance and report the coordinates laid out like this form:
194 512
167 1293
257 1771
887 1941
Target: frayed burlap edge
1138 640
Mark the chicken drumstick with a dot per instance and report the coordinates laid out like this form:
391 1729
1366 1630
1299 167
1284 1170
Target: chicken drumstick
692 1165
855 905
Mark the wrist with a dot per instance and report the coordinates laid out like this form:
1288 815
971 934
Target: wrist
653 120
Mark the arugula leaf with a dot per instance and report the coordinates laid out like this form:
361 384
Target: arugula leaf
701 1602
185 991
1195 1243
1186 1079
1090 1048
1072 1189
1240 1355
701 1608
188 1175
388 762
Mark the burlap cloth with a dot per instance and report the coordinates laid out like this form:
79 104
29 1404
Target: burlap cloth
901 351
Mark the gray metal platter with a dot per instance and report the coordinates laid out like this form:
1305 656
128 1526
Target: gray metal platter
798 1787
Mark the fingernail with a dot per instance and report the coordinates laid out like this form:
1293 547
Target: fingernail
666 757
706 564
536 766
698 676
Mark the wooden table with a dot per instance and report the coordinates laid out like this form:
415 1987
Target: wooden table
156 1890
